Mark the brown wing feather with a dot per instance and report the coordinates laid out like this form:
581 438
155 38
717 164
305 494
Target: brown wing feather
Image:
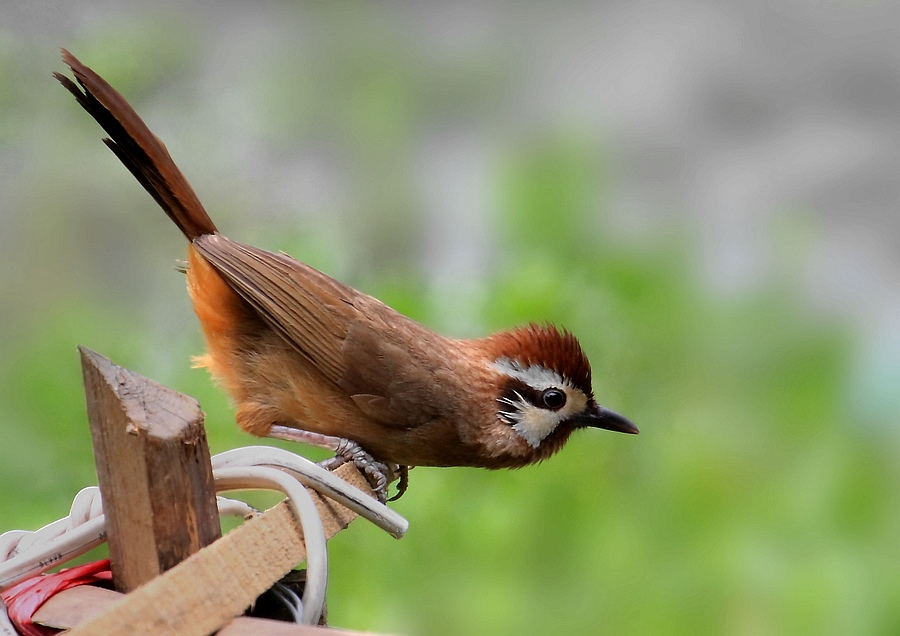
383 359
307 308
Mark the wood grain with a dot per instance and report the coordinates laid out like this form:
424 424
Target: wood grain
211 587
153 469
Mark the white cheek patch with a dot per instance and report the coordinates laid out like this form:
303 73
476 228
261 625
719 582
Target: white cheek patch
531 422
534 424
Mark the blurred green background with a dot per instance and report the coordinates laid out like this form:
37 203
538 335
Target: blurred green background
704 194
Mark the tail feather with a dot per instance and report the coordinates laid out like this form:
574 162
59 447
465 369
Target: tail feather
138 148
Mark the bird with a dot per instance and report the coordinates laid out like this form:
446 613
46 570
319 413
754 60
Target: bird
309 359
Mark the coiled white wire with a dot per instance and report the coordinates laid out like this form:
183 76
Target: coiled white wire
24 554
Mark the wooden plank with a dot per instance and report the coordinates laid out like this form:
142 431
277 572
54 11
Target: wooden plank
246 626
73 606
211 587
153 469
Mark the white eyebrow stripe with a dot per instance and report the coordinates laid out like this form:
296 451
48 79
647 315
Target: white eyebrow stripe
537 377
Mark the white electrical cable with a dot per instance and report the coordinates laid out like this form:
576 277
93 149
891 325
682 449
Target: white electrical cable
235 508
30 553
25 554
316 477
6 626
85 506
307 515
290 600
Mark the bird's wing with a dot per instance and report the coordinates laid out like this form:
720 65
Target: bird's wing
377 355
307 308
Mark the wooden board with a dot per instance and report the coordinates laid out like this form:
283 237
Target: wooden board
153 469
75 605
211 587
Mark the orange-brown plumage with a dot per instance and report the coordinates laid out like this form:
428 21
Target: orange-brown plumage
300 351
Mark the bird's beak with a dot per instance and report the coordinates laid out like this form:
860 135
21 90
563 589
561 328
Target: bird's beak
602 417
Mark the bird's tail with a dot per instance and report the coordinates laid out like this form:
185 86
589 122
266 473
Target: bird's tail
138 148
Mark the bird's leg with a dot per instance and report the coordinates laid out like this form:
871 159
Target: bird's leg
378 474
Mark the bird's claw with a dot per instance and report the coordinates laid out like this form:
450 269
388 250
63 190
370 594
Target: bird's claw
378 474
403 484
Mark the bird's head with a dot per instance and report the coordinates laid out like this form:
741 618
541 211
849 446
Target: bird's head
543 381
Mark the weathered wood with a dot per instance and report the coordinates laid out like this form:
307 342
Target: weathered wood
208 589
73 606
246 626
153 469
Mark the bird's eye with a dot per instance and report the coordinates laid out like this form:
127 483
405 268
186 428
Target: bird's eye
554 399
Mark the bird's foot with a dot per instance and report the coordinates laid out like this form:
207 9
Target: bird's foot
378 474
